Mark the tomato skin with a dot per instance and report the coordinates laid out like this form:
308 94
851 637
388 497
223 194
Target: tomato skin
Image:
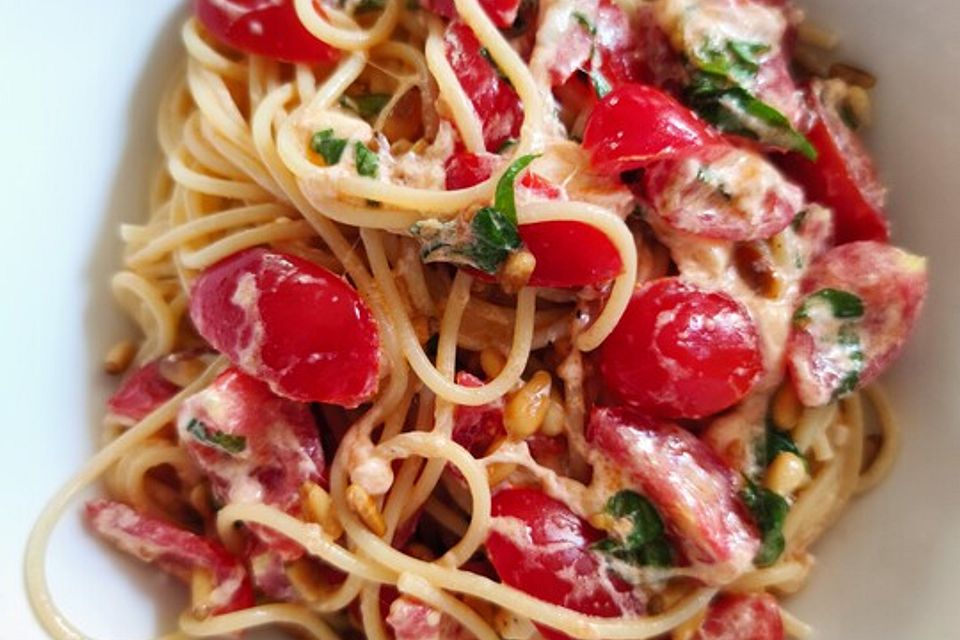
843 177
892 285
693 489
503 13
142 392
635 125
556 543
265 28
476 428
742 617
291 323
682 352
176 550
713 192
495 101
412 620
464 169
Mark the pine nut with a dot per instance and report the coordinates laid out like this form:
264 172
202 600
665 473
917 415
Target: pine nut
817 36
119 357
786 408
366 507
517 271
497 472
492 362
860 106
554 423
526 409
786 474
318 508
852 75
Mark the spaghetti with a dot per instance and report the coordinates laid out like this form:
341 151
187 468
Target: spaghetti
360 163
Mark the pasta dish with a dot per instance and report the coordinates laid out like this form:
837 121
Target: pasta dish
498 319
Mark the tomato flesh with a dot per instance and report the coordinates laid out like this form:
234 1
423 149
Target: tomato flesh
694 491
176 550
268 28
412 620
142 392
723 192
496 102
682 352
635 125
464 169
843 177
476 428
503 13
891 285
291 323
742 617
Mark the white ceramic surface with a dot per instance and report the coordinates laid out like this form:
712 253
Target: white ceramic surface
80 83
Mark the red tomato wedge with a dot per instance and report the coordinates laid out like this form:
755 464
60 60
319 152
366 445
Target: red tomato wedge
862 301
413 620
476 428
569 254
682 352
503 13
268 28
543 548
843 177
636 125
291 323
253 445
141 392
723 192
176 550
496 102
742 617
694 491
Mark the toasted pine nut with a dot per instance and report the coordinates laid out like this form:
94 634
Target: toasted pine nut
201 586
181 370
786 474
307 579
786 408
853 76
119 357
497 472
554 423
492 362
517 271
817 36
366 507
318 508
860 106
603 521
526 409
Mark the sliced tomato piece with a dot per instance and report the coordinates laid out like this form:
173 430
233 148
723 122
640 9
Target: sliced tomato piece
843 177
291 323
177 551
253 445
495 100
690 486
537 545
464 169
476 428
636 125
503 13
410 619
742 617
723 192
682 352
862 301
142 392
268 28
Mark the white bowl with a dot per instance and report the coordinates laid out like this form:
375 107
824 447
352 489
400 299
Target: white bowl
81 83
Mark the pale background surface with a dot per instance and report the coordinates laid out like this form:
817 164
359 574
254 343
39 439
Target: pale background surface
81 81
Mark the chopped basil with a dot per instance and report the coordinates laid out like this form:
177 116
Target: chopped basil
366 160
601 85
506 144
367 106
218 439
769 511
843 304
773 443
483 241
738 60
585 22
645 544
327 146
797 223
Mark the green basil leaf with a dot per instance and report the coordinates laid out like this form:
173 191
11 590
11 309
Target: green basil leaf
601 86
843 304
367 106
645 544
769 511
224 441
367 161
483 243
327 146
504 200
585 22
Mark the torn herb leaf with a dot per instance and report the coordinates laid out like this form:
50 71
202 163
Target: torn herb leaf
736 60
483 243
773 444
504 200
367 161
843 304
224 441
645 543
769 511
368 105
585 22
329 147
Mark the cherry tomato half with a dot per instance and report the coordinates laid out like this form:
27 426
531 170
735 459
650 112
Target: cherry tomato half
843 177
503 13
550 558
635 125
742 617
290 323
681 352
